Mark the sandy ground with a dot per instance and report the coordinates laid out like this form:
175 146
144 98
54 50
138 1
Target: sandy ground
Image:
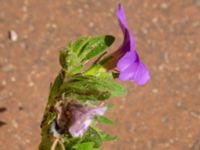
163 115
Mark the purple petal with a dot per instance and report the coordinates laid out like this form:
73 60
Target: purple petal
84 119
136 72
141 75
80 127
129 42
130 66
126 60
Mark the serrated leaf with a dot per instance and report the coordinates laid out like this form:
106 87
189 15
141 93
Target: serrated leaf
104 120
96 46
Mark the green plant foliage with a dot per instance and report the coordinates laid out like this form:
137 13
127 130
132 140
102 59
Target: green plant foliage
73 57
99 71
96 46
106 137
92 88
88 85
56 85
84 146
104 120
93 136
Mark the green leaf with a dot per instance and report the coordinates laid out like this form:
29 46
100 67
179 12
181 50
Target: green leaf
106 137
71 143
63 58
93 136
115 88
99 71
91 87
69 61
72 58
83 87
56 85
79 44
96 46
84 146
104 120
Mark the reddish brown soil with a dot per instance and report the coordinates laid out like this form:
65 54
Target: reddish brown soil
163 115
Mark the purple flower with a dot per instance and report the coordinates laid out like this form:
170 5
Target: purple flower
129 65
82 117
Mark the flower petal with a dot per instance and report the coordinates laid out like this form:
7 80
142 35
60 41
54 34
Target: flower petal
130 66
83 121
80 127
136 72
128 59
129 42
141 75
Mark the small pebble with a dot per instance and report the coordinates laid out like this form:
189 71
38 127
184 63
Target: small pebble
13 79
12 35
31 84
3 82
15 124
161 67
91 24
24 8
179 104
155 91
155 20
171 141
123 99
164 6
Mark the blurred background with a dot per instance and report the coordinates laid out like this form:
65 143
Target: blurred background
162 115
